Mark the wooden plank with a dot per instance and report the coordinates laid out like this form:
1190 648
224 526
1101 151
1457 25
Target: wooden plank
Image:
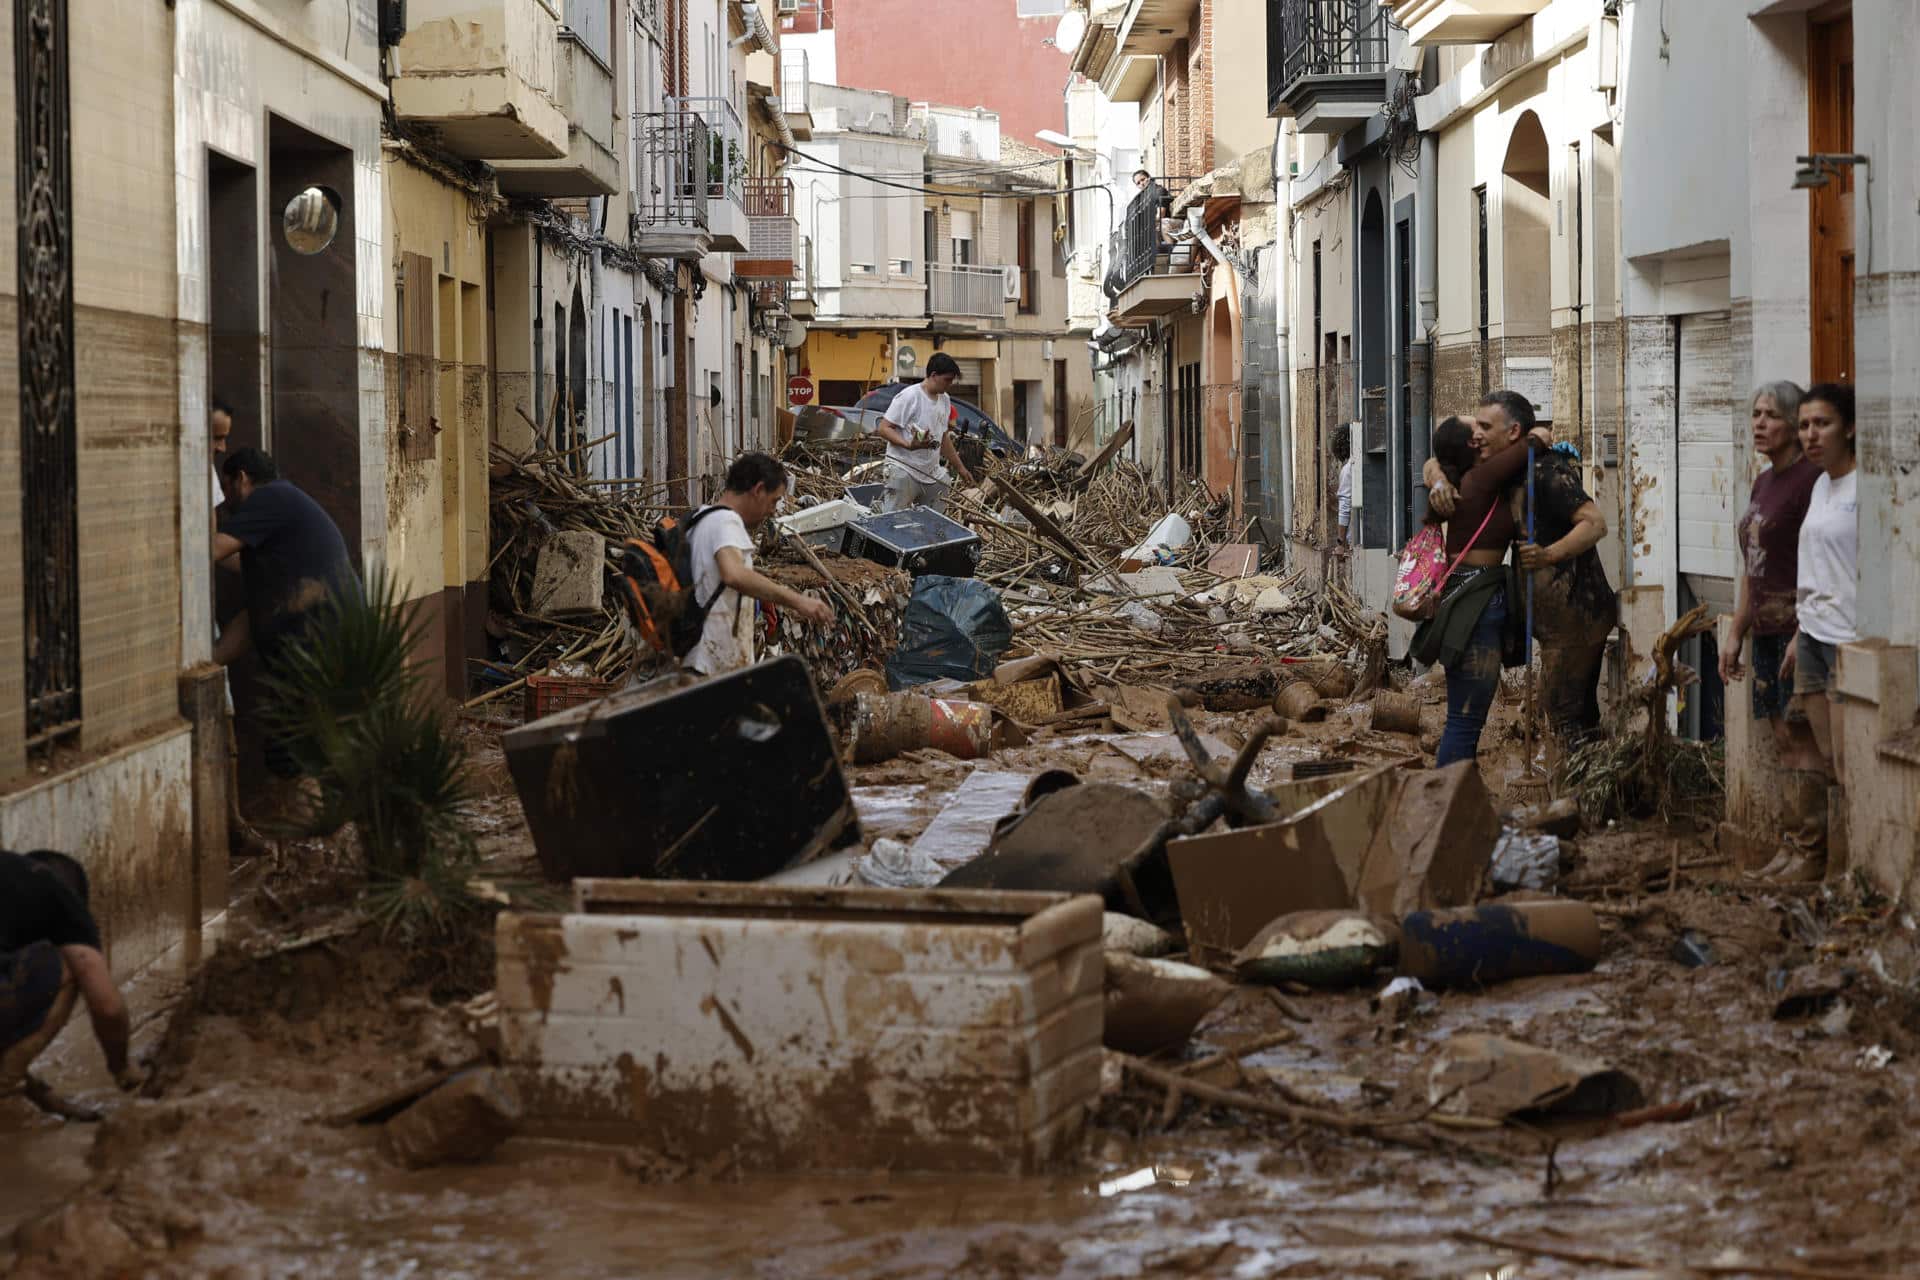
1041 521
1107 450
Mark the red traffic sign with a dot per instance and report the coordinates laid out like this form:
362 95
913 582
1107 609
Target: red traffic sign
799 389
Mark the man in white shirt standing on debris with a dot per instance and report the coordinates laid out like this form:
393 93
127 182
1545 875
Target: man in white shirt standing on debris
722 553
918 430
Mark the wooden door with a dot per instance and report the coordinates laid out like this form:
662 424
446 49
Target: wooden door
1830 212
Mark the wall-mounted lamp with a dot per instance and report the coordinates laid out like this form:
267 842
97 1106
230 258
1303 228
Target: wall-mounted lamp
1822 167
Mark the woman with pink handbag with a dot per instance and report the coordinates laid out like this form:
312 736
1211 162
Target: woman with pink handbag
1465 612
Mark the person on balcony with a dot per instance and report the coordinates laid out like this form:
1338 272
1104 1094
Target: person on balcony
918 429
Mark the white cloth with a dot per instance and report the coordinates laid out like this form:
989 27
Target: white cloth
904 490
918 415
1346 494
726 644
1829 559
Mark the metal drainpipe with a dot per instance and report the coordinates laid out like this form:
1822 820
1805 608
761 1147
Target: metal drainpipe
1427 272
1282 314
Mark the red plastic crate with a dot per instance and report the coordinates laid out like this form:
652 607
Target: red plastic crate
548 694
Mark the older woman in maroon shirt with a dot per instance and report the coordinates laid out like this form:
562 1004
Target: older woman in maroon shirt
1769 539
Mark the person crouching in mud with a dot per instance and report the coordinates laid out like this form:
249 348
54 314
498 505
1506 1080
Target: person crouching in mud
50 959
1465 633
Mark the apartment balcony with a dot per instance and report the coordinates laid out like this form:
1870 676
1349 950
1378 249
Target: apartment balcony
966 292
772 233
1147 31
1460 21
796 93
1153 266
1326 62
483 76
589 168
691 197
800 293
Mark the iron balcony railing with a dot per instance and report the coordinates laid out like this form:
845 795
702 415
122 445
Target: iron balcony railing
802 290
976 292
796 94
772 233
1148 240
726 146
676 149
1322 38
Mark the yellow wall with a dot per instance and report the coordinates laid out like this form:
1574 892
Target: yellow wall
861 356
437 506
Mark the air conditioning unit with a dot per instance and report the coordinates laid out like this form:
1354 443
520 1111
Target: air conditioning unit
1011 278
789 6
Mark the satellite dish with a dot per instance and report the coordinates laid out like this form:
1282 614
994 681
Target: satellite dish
1072 29
793 334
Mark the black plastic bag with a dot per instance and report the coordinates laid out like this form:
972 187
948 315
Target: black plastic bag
955 629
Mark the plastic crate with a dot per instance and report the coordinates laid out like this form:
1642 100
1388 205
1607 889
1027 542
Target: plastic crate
548 694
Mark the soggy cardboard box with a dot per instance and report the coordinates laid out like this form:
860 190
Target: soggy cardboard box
1387 841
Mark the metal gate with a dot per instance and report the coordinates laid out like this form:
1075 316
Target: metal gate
43 186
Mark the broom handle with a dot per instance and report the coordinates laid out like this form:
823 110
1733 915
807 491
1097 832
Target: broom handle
1527 644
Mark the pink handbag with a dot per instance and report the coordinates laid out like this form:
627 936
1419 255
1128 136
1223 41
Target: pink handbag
1424 571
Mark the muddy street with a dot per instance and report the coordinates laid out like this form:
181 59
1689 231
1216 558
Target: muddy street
1759 1144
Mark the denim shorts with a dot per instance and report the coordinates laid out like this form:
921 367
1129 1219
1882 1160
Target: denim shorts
1772 696
30 980
1813 663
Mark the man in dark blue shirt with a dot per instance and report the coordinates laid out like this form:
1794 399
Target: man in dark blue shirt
293 561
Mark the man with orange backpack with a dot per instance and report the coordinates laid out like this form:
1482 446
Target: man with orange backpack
687 590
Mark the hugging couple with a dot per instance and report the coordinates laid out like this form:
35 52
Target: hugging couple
1477 484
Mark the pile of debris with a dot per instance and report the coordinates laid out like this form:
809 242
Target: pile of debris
550 529
554 535
1094 563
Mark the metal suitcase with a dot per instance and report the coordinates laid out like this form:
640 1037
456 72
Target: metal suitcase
919 540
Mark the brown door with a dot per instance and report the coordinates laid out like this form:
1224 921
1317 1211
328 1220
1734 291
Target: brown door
1830 212
1060 403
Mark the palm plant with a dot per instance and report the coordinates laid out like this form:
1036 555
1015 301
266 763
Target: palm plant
361 725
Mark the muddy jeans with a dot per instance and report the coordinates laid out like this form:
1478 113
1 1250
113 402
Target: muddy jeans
1570 689
1471 684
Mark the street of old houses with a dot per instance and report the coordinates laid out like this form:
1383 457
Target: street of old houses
853 638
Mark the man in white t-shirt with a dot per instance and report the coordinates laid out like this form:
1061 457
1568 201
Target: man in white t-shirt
918 430
722 553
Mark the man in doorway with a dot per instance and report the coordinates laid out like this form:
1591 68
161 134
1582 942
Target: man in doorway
50 959
240 832
1342 449
1574 606
721 546
293 561
918 430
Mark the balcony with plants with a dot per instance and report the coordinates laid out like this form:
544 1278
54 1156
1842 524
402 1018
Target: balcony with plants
1153 260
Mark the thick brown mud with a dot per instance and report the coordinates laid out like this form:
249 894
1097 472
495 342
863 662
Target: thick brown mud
1795 1152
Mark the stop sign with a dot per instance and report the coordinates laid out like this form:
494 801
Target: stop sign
799 389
